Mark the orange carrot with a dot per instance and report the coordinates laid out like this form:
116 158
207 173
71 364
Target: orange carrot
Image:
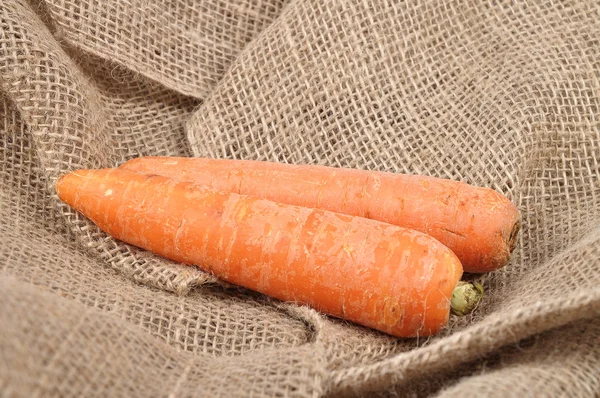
379 275
478 224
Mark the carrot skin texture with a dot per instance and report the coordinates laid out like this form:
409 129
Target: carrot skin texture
378 275
479 224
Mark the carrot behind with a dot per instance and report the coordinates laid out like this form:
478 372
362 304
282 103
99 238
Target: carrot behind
478 224
382 276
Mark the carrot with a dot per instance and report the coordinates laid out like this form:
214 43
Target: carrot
379 275
478 224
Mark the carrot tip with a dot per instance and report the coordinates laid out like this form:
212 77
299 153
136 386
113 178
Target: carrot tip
465 298
59 185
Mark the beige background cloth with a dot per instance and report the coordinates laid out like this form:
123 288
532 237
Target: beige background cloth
499 94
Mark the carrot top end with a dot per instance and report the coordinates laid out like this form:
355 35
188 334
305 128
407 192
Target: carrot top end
512 240
465 298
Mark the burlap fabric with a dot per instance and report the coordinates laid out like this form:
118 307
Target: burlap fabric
499 94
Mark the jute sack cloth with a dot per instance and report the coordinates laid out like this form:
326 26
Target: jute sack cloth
502 95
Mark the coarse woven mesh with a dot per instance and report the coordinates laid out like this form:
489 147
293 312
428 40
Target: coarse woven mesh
497 94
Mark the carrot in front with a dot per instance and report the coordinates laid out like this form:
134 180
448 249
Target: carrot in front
379 275
478 224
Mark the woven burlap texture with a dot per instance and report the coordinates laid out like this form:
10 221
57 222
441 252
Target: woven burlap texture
497 94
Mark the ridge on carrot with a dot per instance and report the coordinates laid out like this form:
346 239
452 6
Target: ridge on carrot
478 224
393 279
